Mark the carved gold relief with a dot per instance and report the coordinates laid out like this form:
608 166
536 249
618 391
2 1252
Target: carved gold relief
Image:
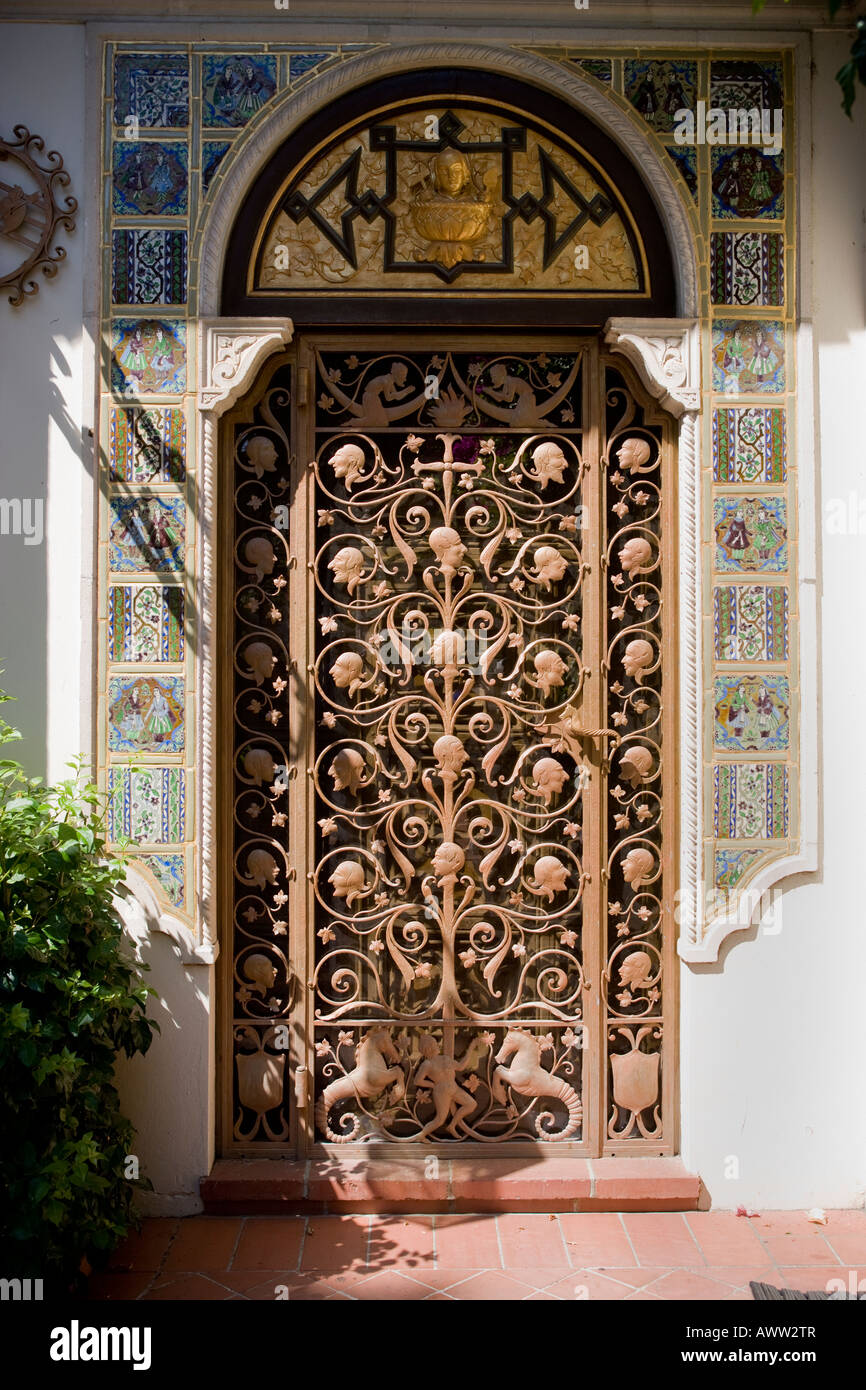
447 193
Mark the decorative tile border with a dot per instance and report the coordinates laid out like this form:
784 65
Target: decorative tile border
177 117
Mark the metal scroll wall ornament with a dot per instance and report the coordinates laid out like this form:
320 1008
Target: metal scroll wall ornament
32 208
461 504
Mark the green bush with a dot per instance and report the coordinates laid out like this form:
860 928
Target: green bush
69 1003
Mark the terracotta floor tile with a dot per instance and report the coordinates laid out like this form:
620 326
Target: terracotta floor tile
488 1285
816 1277
799 1250
118 1285
738 1276
204 1243
538 1277
144 1249
531 1239
439 1298
635 1278
301 1288
686 1285
595 1239
541 1297
391 1286
847 1240
439 1279
643 1297
335 1242
582 1284
269 1242
188 1287
662 1238
400 1241
724 1238
467 1242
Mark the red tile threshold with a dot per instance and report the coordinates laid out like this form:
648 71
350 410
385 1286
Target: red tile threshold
240 1187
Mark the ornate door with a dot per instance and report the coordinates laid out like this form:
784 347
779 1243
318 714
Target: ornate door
451 708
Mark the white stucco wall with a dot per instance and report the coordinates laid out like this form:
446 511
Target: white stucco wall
772 1040
773 1045
46 408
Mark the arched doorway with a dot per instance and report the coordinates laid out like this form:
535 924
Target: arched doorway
445 589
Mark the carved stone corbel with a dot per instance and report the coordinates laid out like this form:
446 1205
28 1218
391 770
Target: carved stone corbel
666 354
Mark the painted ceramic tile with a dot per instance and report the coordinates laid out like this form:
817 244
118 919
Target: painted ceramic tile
149 179
145 623
212 156
169 872
147 805
748 356
148 266
749 445
153 88
751 534
740 83
145 714
747 183
747 268
685 159
732 864
750 801
146 446
302 63
751 713
599 68
235 88
147 533
659 89
750 622
148 355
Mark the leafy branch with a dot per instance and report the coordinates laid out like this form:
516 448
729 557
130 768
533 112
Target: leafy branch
854 70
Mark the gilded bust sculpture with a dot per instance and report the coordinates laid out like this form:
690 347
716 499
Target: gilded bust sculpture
450 211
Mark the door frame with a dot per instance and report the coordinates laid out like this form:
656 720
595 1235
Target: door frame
273 341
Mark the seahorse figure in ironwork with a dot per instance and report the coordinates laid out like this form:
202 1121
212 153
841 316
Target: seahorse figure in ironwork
528 1077
370 1075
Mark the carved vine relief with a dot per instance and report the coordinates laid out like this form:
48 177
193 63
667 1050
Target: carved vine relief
443 194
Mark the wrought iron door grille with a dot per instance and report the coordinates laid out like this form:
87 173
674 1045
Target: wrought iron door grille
470 692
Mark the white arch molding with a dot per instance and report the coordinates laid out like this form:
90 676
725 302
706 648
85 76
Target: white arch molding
665 353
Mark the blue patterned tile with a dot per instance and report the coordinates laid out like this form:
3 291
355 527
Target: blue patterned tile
147 534
170 873
659 88
731 865
235 87
149 266
146 446
750 445
147 805
751 714
750 801
149 179
748 355
148 355
751 534
146 623
152 88
686 160
741 83
747 183
212 155
750 622
146 714
302 63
